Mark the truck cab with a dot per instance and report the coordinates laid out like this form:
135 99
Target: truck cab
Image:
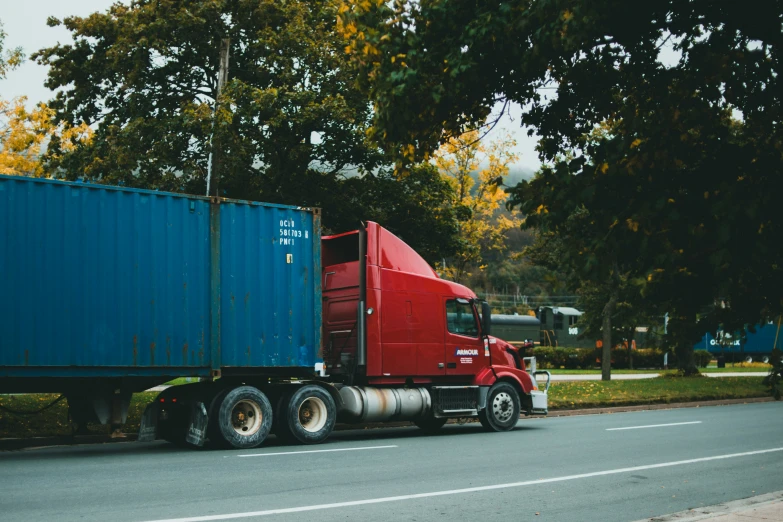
389 321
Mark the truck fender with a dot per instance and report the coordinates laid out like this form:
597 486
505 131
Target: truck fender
520 379
334 391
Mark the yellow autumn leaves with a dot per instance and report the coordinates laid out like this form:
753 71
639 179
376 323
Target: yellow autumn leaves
25 133
473 170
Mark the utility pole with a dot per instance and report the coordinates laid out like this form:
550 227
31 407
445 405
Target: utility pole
213 184
214 163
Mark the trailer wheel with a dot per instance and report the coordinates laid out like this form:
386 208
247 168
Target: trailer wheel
765 359
244 417
430 424
307 415
502 411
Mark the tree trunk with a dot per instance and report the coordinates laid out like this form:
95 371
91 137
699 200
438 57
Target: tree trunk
630 336
606 349
683 347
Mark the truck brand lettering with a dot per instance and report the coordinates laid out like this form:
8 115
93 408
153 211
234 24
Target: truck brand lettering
468 352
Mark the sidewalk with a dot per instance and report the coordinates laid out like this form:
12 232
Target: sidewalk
763 507
634 376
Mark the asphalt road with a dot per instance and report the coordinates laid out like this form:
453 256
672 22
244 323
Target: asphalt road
618 467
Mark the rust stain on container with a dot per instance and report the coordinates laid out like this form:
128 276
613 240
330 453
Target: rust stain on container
185 353
152 353
168 350
232 301
247 298
135 348
27 357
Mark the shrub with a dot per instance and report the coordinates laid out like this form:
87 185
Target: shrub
702 358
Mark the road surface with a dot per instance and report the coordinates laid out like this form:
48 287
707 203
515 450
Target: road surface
617 467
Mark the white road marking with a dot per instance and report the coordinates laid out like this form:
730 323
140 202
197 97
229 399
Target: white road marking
314 451
476 489
653 426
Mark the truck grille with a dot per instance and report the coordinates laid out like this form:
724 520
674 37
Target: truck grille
456 399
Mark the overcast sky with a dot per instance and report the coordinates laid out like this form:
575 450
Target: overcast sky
24 22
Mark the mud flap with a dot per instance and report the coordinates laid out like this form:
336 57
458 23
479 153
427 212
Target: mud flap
197 431
149 423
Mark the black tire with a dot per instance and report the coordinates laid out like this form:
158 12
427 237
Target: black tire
213 431
502 411
430 424
243 418
306 416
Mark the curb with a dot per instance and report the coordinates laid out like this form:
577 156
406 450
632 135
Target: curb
764 505
659 406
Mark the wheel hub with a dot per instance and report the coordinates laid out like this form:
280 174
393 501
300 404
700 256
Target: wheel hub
312 414
246 418
502 406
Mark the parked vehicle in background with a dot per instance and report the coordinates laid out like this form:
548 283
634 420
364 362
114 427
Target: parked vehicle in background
744 346
522 331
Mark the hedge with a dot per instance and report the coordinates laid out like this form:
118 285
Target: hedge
579 358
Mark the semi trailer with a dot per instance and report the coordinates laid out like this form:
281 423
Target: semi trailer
108 291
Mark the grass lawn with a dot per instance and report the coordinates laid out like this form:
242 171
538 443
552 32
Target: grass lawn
562 395
664 390
54 421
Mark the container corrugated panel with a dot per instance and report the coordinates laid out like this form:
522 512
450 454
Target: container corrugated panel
119 279
270 266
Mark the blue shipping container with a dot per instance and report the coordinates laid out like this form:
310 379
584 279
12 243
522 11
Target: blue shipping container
762 341
105 281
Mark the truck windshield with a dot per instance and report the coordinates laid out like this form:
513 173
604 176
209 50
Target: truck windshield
460 318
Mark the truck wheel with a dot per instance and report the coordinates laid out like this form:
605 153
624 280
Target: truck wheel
502 411
307 415
430 424
243 419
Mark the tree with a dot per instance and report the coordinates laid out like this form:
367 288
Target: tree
290 125
24 133
146 76
9 58
475 172
672 177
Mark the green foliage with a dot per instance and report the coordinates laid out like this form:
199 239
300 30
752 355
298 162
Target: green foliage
9 58
578 358
774 381
649 175
291 125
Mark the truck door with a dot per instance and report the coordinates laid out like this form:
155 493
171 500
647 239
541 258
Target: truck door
465 354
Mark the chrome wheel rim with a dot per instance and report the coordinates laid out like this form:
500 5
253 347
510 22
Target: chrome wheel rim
503 406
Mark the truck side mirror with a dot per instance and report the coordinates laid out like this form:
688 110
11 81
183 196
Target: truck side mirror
486 317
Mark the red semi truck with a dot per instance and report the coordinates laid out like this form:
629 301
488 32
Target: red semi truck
398 343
